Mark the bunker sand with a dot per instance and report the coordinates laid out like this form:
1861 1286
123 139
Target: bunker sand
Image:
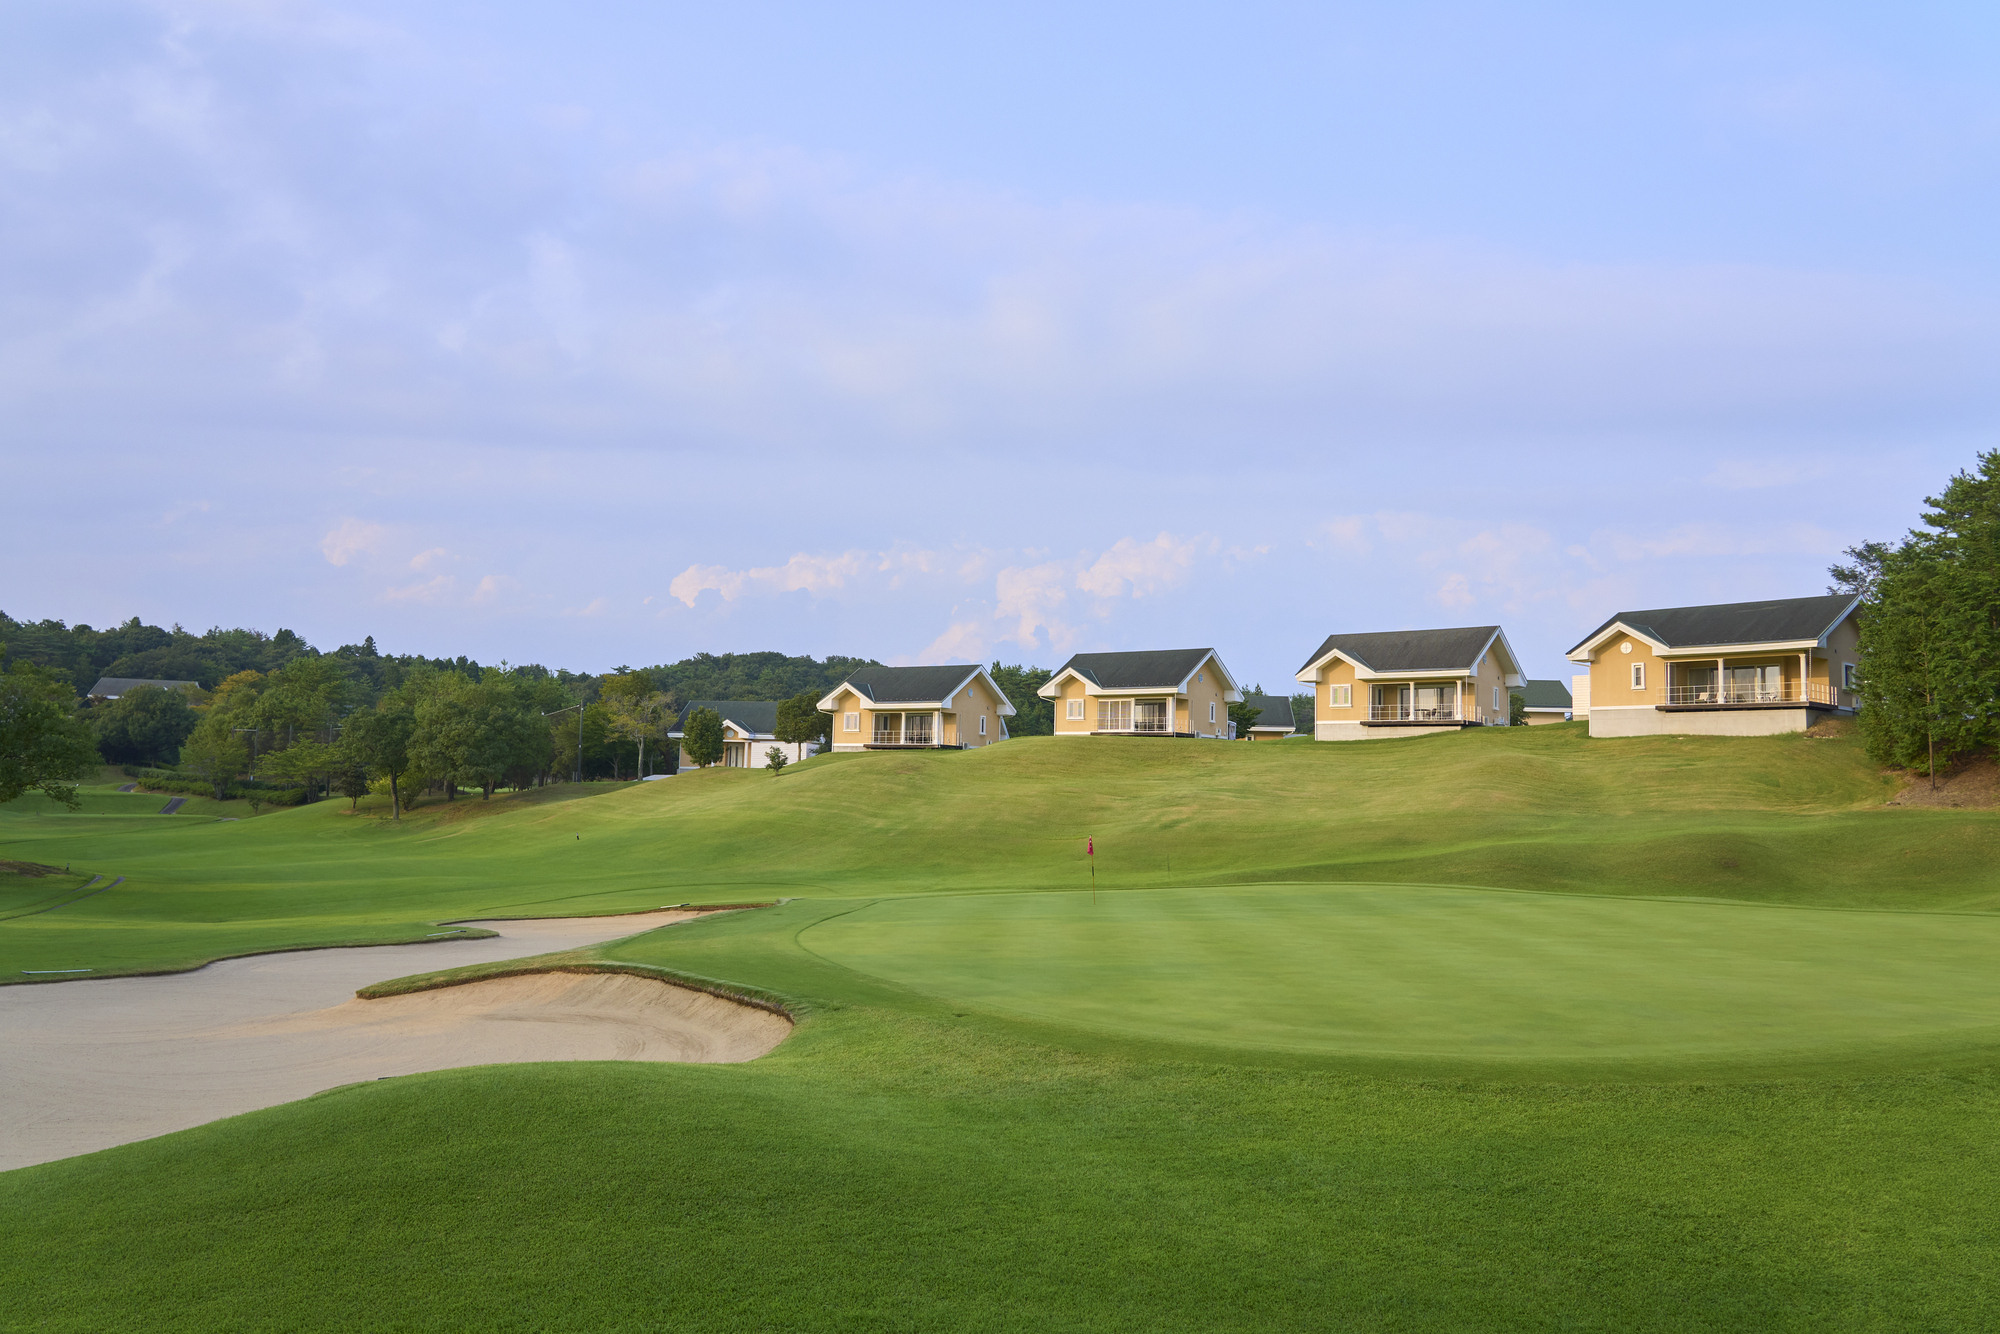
90 1064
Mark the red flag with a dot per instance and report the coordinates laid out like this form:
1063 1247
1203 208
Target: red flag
1090 847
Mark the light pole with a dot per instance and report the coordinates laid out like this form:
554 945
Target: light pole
579 735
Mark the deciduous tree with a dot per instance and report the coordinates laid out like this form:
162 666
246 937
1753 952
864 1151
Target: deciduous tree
701 737
43 745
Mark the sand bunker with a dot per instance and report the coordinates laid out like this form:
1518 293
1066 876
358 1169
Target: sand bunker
90 1064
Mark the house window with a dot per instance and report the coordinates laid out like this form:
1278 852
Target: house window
982 724
850 722
1211 710
1847 676
1076 710
1114 715
1638 676
1340 697
1496 699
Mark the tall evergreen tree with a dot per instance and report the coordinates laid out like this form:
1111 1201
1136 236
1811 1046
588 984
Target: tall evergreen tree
1930 628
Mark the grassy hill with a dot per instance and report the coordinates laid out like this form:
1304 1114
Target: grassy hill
1509 1030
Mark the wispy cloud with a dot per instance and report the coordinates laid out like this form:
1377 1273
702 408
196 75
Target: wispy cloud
350 538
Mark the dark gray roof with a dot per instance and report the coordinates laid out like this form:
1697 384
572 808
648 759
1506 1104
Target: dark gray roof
1137 670
111 687
752 715
1411 650
1545 695
1734 622
908 685
1277 710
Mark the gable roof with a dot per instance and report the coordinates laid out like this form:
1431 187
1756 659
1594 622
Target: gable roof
1140 669
915 685
759 717
1786 620
1545 695
1277 711
111 687
1454 650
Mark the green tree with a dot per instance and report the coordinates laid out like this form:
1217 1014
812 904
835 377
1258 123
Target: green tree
306 763
775 760
1517 709
214 753
306 695
1930 628
379 739
799 721
636 711
352 779
144 726
1245 717
701 737
1033 715
1302 713
43 745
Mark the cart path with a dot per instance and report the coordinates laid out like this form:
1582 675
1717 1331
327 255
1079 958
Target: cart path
89 1064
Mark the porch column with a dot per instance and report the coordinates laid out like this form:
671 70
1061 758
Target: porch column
1413 703
937 729
1719 696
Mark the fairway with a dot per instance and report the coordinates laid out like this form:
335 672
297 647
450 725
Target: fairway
1414 971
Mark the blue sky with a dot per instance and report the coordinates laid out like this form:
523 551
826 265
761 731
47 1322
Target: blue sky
596 334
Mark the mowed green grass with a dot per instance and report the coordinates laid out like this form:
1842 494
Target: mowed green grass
1300 1066
1425 972
1781 819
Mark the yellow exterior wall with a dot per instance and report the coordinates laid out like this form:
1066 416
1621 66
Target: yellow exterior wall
1611 674
1339 672
1192 716
1072 688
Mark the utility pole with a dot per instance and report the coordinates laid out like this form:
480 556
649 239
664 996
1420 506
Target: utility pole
579 736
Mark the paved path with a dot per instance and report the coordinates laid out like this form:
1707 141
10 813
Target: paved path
88 1064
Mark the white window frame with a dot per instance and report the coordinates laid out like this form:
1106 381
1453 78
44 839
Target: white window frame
1496 699
982 724
850 722
1075 712
1211 710
1638 676
1340 697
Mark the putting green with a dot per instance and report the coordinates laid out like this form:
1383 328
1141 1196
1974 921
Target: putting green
1430 972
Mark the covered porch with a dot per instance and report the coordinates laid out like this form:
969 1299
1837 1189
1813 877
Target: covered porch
1750 682
1138 716
1420 703
914 731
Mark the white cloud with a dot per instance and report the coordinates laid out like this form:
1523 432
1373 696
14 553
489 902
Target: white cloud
433 590
351 538
811 574
423 559
1143 568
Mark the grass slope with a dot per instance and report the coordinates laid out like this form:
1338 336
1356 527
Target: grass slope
992 1116
1778 819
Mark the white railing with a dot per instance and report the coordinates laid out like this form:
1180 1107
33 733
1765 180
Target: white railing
1389 713
1769 692
911 735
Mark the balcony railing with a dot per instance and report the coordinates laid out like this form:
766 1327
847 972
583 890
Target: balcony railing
908 736
1390 713
1731 693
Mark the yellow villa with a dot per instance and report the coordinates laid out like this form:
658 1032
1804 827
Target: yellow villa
1157 692
917 708
1402 683
1735 669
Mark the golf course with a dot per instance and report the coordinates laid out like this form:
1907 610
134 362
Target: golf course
1504 1029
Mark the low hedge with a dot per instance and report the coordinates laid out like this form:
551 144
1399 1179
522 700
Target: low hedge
249 789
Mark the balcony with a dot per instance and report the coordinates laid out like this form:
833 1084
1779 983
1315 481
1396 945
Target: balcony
1390 713
1752 694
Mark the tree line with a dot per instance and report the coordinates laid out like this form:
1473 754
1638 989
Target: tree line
1929 677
